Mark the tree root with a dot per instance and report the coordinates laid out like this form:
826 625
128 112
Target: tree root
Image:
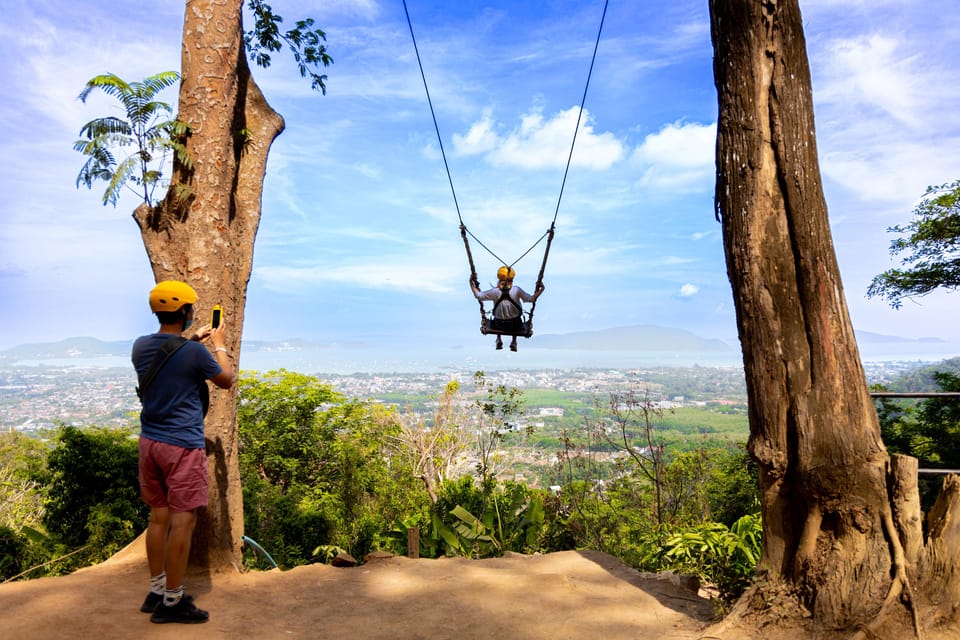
900 585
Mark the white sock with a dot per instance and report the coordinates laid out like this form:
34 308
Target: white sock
158 584
172 596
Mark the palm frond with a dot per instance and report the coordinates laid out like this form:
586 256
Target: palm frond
96 168
143 128
109 83
103 126
125 170
160 81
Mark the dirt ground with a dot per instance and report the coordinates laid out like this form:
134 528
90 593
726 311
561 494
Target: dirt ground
568 595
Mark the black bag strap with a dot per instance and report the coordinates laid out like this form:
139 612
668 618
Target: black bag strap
505 295
167 349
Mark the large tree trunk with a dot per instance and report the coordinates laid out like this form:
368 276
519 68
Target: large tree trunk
203 232
814 432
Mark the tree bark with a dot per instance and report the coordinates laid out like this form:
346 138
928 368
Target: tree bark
814 432
940 565
203 232
905 501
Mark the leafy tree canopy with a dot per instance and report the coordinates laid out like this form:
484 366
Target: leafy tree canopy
304 42
932 249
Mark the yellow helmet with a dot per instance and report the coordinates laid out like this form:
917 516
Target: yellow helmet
505 273
170 295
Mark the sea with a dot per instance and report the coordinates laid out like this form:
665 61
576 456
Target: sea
368 359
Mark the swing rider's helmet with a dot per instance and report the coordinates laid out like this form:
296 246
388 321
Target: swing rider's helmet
172 300
506 273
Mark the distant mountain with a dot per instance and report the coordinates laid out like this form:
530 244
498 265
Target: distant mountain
865 337
70 348
634 338
93 348
296 344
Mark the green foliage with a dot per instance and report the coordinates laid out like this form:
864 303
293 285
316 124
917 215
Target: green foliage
462 492
12 551
304 42
68 506
288 524
22 480
928 430
133 149
622 500
467 521
314 468
281 439
94 492
498 406
932 249
725 557
733 486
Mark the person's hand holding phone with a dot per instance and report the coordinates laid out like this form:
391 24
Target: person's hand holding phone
217 335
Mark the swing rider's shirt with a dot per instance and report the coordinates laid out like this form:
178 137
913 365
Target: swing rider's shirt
172 409
506 306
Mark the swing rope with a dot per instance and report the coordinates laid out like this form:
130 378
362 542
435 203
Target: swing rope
549 233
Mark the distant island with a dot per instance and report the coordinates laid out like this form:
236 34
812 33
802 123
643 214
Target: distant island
644 337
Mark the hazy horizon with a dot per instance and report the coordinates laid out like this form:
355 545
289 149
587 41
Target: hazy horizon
375 358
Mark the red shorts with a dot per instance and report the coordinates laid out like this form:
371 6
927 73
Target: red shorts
173 477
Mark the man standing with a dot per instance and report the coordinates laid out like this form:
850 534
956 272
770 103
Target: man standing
173 373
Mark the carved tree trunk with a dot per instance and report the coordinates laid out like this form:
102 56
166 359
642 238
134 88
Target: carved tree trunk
206 239
813 428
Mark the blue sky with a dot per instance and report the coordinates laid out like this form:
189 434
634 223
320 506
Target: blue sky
359 238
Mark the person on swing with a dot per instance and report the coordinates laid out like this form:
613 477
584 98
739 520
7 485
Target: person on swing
507 307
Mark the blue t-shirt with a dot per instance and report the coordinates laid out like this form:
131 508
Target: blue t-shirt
172 411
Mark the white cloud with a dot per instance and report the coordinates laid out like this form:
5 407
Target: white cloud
679 157
873 72
881 108
480 138
713 234
365 9
538 143
688 290
384 274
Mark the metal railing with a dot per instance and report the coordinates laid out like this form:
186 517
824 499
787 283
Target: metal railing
912 394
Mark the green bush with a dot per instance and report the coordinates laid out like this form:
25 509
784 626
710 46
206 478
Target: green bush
315 469
725 557
12 551
94 491
288 527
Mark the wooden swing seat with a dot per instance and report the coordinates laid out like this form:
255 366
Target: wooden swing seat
521 327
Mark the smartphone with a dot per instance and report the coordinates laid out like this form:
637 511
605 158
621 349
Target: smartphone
216 316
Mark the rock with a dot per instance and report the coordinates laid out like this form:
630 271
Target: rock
344 559
378 555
